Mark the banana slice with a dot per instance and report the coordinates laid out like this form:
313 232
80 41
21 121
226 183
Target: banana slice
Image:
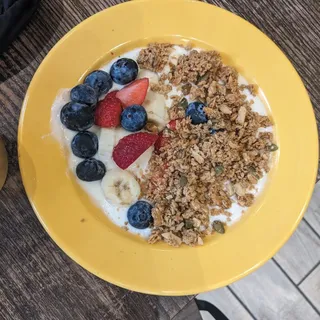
106 144
109 137
155 105
120 187
152 76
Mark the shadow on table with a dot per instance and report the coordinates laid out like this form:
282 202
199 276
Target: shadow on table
33 39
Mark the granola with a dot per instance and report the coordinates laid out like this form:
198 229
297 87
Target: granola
155 56
204 168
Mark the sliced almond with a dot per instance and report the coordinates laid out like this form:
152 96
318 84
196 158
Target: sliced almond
197 156
239 190
246 158
179 226
166 235
172 239
225 109
229 189
253 179
241 115
196 222
200 241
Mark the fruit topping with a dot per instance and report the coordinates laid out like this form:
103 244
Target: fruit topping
120 187
139 215
172 125
131 147
90 170
134 93
134 118
83 93
100 81
196 112
108 112
77 116
124 71
85 144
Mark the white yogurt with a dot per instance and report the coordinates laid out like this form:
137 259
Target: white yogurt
118 214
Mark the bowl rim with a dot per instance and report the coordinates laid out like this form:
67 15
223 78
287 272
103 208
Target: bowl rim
65 247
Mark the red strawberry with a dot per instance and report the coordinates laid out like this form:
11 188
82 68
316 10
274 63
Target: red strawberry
172 125
131 147
112 95
108 111
134 93
161 142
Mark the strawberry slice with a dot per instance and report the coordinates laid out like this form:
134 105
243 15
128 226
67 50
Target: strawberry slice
172 125
112 95
161 142
108 111
134 93
131 147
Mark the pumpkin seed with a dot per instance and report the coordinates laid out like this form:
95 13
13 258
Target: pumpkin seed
183 181
186 89
183 103
273 148
218 170
204 77
253 171
188 224
229 189
218 226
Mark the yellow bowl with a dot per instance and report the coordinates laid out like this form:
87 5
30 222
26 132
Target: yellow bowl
79 227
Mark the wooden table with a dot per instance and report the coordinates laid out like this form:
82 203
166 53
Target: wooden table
37 280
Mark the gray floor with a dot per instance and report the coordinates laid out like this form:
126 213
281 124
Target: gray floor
286 288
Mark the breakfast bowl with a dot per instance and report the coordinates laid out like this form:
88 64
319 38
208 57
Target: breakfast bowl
84 232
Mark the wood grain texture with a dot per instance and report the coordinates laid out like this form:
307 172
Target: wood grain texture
189 312
37 280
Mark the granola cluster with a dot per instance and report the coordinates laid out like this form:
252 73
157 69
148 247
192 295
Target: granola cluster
155 56
202 169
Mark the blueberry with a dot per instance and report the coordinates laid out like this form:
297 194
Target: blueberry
77 116
134 118
196 113
90 170
84 94
124 71
139 215
100 81
85 144
213 131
